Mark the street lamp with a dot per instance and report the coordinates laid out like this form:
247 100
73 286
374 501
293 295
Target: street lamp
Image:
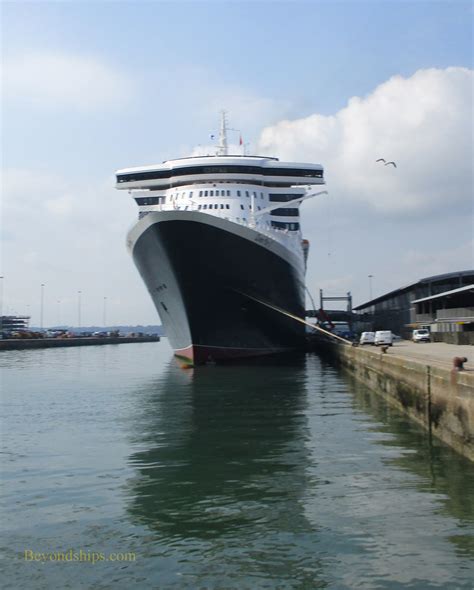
79 293
370 286
104 317
41 305
1 305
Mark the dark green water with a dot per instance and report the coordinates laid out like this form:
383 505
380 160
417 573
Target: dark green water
281 475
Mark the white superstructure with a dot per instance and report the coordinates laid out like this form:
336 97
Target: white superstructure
259 192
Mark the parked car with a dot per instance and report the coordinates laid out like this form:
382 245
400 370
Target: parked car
421 335
367 338
383 337
343 330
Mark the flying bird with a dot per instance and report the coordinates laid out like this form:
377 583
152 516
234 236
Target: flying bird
385 163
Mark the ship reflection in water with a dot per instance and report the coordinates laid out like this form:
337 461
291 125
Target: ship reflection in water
224 468
284 474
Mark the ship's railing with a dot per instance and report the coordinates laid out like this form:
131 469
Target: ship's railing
280 235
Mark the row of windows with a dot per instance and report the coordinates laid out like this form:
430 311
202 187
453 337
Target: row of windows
216 206
203 193
194 170
286 212
283 225
226 193
221 206
281 198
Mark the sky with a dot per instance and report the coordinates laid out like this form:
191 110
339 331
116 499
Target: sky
92 87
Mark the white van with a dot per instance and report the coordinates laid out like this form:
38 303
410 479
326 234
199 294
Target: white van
422 335
367 338
383 337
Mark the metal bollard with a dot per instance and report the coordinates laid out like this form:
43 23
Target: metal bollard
458 363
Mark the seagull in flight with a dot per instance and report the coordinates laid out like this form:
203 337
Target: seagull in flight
385 163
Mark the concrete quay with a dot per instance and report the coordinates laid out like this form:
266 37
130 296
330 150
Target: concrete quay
418 379
433 353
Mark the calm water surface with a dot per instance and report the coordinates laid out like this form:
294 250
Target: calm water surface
285 474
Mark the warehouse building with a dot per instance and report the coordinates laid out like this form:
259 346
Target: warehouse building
449 315
398 312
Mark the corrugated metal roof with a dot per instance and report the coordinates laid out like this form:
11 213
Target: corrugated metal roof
446 293
404 288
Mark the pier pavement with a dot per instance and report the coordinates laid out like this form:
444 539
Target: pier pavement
440 354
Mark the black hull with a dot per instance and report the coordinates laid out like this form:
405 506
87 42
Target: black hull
204 281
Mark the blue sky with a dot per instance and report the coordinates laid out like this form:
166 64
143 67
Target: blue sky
312 56
156 75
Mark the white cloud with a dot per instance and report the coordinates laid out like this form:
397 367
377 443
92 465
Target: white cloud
248 109
434 263
211 93
424 123
55 80
69 235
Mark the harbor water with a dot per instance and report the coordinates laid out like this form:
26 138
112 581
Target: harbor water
278 474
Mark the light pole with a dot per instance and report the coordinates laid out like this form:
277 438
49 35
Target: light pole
104 316
1 305
79 293
41 306
59 312
370 286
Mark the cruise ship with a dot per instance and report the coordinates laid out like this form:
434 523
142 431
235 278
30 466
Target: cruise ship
218 244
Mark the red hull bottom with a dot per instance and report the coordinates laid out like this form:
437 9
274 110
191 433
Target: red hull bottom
197 354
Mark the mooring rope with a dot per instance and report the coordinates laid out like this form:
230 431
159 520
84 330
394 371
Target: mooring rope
296 318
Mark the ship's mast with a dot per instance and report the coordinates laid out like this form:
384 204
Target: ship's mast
222 150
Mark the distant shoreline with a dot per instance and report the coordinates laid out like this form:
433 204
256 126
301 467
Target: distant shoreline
33 343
